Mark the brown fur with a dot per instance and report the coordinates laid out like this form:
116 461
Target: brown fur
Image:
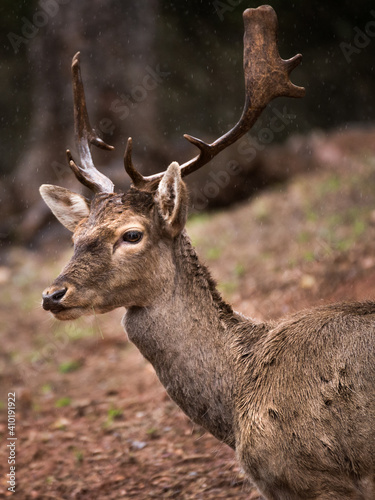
294 398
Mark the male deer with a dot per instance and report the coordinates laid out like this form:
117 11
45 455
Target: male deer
294 398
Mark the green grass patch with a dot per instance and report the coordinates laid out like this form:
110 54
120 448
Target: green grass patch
70 366
198 219
213 253
62 402
47 389
309 256
227 288
239 270
330 185
112 414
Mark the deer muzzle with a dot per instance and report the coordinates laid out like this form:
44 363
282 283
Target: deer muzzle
65 302
52 299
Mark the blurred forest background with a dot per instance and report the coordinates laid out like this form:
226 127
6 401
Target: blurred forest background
155 70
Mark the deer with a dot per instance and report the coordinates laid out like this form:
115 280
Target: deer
295 398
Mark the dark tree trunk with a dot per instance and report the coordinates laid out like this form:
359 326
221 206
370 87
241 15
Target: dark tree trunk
120 74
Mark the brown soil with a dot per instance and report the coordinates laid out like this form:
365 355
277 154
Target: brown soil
92 420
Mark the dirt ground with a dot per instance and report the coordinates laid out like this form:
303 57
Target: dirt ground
92 420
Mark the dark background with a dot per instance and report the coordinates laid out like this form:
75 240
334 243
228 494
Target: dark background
196 49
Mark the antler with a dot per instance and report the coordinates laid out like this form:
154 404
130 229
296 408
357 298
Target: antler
86 173
266 77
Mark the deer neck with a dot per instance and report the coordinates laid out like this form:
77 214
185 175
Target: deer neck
187 336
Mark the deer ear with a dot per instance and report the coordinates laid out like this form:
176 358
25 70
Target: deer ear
68 207
171 197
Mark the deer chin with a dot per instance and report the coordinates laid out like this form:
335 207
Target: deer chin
70 313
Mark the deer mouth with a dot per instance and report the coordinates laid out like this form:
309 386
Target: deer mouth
70 313
64 312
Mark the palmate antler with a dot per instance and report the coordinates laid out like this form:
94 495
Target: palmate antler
266 77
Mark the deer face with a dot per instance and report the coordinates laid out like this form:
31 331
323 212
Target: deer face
122 243
122 246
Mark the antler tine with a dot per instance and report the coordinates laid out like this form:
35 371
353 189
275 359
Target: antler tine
86 173
266 77
136 177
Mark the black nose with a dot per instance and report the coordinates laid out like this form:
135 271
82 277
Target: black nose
51 301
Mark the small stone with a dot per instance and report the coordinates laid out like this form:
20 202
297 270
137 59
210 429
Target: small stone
307 282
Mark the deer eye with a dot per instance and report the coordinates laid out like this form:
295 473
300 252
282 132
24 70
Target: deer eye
132 236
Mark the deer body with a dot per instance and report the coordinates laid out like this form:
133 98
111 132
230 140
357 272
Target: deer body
294 398
307 405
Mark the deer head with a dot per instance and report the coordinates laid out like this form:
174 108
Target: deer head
123 243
